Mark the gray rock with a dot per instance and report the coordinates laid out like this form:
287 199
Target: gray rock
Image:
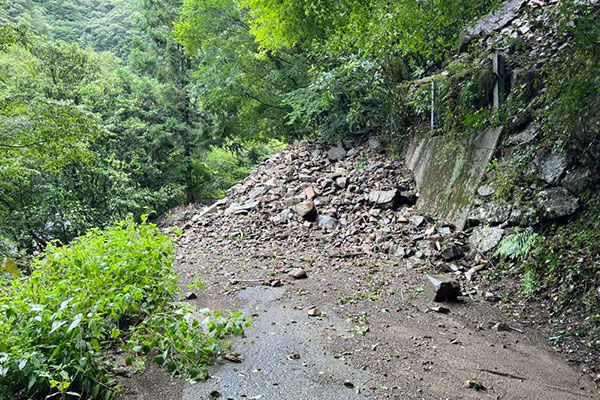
577 181
281 218
491 213
452 253
485 190
556 202
524 137
341 182
298 273
414 262
446 289
551 167
237 208
417 220
213 209
384 198
444 231
336 153
327 222
258 192
494 21
484 238
292 201
375 144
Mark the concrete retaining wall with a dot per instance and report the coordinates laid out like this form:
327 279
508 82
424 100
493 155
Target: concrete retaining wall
448 175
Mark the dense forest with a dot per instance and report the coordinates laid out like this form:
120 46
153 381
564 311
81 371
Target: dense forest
114 109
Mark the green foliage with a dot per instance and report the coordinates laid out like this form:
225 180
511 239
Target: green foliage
518 245
341 101
423 30
462 103
529 283
572 98
241 90
106 25
108 288
357 51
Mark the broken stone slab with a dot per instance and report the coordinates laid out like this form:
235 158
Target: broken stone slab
310 193
484 238
446 289
306 210
210 210
327 222
494 21
524 137
556 202
452 253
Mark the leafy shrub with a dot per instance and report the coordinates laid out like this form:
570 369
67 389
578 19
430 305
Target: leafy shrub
106 288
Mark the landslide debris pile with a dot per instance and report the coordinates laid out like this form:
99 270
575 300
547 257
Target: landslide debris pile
347 199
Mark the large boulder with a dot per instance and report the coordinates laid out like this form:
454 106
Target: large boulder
551 167
556 202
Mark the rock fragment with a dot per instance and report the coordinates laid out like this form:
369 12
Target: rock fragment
485 238
556 202
446 289
452 253
384 198
306 210
298 273
327 222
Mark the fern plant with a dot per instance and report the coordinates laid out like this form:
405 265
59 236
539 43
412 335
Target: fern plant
530 283
518 245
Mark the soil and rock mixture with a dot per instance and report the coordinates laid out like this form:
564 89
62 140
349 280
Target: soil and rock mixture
323 248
